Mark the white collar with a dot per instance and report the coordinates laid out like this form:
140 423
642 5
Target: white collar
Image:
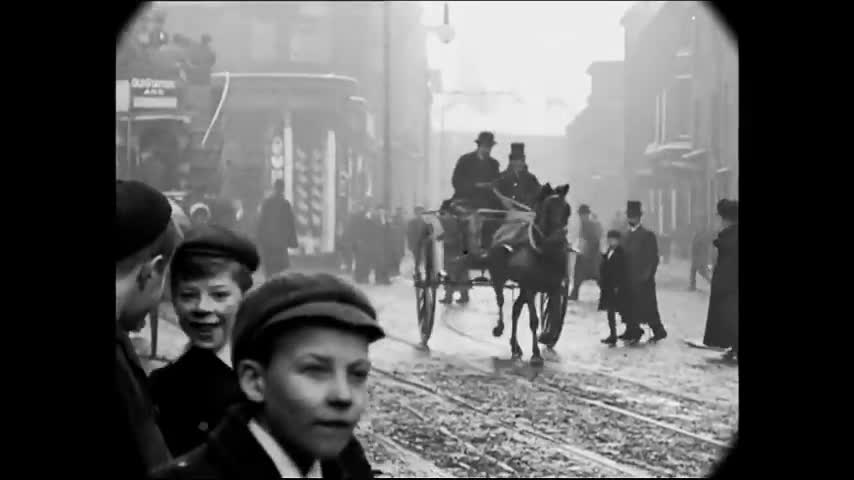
634 229
284 463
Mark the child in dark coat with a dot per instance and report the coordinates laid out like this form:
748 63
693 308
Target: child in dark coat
613 279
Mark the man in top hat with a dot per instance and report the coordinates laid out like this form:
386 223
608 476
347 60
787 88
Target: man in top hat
473 179
722 321
587 263
516 182
147 239
641 248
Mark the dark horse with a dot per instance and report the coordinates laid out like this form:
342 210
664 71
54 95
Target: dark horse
537 265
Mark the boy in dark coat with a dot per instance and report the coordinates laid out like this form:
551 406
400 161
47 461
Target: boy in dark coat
722 322
210 274
300 346
612 284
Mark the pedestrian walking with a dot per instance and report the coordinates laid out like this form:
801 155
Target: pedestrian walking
363 244
398 229
641 248
210 273
147 239
587 263
300 348
276 231
722 321
383 247
613 280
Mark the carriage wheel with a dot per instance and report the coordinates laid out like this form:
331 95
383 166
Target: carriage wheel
426 283
553 320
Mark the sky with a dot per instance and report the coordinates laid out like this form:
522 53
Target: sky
540 50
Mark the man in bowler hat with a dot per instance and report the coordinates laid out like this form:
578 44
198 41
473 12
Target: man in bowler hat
147 239
641 248
473 179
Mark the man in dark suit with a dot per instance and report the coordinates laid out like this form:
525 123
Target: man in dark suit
473 179
276 231
642 259
147 239
516 182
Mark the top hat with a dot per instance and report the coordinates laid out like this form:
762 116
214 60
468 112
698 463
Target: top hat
517 151
633 208
485 137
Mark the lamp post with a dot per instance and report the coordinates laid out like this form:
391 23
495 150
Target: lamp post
446 34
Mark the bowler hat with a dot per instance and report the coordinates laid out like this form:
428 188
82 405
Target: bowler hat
485 138
728 209
517 151
633 208
584 210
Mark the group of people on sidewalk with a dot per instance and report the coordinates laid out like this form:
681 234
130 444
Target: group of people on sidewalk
272 381
627 278
373 241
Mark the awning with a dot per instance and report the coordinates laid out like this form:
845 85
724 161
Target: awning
141 117
694 154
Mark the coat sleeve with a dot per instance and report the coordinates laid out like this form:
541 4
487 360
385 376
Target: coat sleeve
459 179
290 225
650 257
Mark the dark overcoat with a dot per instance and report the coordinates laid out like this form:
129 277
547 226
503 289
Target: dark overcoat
722 322
276 233
139 441
192 396
232 453
470 170
641 248
612 281
521 186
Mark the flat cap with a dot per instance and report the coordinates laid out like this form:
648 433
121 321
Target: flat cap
292 297
142 215
218 241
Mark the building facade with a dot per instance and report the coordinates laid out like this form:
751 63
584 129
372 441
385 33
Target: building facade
595 142
681 114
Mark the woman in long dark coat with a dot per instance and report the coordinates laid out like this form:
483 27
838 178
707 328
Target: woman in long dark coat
722 322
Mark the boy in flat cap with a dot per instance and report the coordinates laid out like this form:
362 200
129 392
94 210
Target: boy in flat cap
612 284
300 348
722 321
211 272
147 239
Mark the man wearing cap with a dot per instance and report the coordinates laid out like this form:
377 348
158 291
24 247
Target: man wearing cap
641 248
147 239
276 231
587 263
210 273
516 182
300 348
722 321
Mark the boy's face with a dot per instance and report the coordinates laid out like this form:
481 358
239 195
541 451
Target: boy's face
206 309
613 242
315 389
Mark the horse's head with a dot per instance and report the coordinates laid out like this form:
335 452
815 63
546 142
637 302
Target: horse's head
552 209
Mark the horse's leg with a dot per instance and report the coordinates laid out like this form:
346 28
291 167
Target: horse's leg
536 357
515 349
498 286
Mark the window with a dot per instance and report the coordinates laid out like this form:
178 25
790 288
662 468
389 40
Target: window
664 128
715 123
697 125
682 119
657 136
262 41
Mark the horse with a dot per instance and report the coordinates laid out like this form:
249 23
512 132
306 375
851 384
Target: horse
537 265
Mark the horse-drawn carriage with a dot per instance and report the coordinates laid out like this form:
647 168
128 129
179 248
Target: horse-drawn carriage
524 249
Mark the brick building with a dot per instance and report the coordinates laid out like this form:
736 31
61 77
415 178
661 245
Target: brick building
595 142
681 113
